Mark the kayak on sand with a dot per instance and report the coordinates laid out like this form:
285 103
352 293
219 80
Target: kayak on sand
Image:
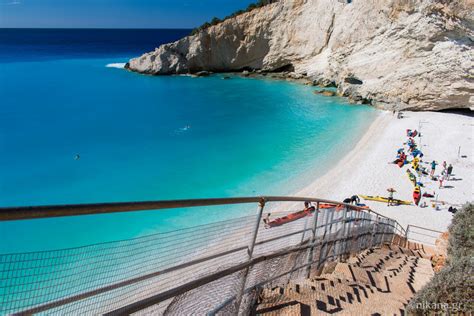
338 206
384 199
291 217
412 177
307 212
417 195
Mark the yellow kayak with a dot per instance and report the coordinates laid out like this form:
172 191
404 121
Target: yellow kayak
383 199
412 177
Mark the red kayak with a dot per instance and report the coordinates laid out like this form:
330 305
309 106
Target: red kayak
400 161
417 195
291 217
337 206
327 205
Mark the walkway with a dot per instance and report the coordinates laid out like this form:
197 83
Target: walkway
378 281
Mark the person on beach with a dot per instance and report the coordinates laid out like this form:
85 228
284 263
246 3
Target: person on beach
452 210
449 172
355 199
411 133
433 168
441 179
266 220
411 145
352 200
308 208
307 205
390 196
445 166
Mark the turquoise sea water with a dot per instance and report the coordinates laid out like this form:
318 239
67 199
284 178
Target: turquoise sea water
148 138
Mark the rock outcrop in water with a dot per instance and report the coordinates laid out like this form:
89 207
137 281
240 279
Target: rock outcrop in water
394 54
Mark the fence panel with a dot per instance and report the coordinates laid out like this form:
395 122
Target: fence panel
214 268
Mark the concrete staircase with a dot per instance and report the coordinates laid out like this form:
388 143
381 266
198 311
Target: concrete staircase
378 281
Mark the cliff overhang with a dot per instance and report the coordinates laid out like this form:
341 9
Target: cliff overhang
393 54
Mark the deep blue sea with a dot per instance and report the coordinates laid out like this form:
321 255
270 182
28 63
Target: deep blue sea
143 137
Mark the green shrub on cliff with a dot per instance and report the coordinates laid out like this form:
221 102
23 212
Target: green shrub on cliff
461 233
451 290
216 20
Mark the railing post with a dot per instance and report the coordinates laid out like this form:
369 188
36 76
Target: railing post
394 231
250 249
313 239
343 239
331 220
406 236
304 230
401 235
357 231
375 229
366 228
323 238
363 219
384 226
350 231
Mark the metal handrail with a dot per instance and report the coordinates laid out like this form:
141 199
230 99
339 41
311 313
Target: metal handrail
424 228
110 287
46 211
36 212
141 305
410 231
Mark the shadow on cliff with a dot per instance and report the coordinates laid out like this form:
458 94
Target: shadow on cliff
464 112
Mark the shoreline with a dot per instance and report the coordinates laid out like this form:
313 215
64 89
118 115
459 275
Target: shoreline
367 170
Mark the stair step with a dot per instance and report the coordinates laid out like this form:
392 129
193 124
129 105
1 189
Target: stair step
380 281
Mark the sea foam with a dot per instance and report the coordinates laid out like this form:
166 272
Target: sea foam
115 65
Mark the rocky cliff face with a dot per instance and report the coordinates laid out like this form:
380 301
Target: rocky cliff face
394 54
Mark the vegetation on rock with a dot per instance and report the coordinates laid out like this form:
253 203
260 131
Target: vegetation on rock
451 290
215 20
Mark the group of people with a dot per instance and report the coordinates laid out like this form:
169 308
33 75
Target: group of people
417 155
352 200
412 150
445 174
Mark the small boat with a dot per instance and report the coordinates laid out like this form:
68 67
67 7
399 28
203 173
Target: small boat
384 199
327 205
417 195
412 177
339 207
291 217
411 133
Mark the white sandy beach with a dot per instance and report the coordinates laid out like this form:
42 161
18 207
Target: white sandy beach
366 169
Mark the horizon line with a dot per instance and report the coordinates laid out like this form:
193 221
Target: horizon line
95 28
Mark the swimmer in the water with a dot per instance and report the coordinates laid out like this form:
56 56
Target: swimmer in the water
77 157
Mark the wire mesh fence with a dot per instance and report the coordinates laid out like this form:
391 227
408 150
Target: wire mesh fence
422 235
214 268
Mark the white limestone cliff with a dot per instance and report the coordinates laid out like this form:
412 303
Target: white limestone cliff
394 54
